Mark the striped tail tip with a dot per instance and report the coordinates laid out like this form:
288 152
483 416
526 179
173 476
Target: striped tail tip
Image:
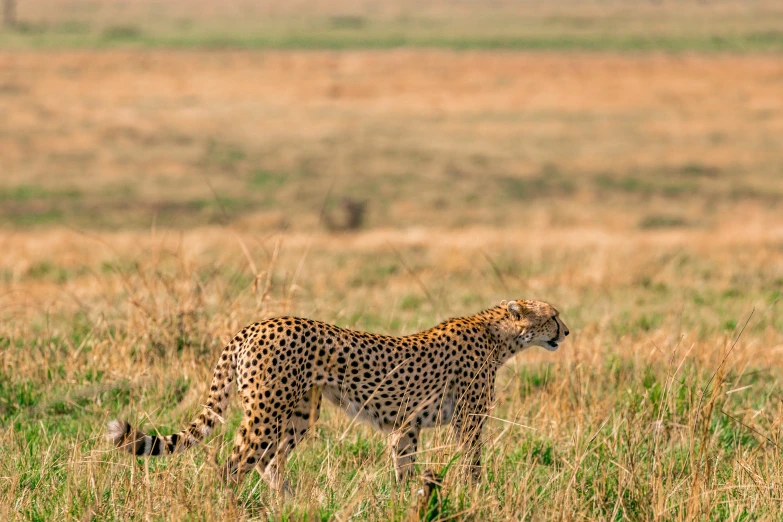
128 439
118 432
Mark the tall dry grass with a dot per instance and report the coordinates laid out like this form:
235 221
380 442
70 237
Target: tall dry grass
663 404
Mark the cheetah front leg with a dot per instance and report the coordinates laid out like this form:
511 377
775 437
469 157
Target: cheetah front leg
468 434
467 424
404 444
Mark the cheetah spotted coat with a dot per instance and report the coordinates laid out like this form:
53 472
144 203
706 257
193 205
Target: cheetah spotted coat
284 366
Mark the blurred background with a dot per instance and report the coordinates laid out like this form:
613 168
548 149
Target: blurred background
370 114
173 170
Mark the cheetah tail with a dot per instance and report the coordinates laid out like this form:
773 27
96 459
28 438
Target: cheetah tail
129 439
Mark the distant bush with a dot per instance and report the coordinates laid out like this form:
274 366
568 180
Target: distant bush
347 22
121 32
662 221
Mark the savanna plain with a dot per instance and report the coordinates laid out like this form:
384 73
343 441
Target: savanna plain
162 187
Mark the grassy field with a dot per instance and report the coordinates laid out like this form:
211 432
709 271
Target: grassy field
259 139
155 200
598 25
652 409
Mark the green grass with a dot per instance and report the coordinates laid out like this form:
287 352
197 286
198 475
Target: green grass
23 193
626 420
635 434
495 193
353 32
117 38
657 221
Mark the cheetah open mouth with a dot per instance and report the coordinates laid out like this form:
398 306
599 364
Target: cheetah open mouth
553 344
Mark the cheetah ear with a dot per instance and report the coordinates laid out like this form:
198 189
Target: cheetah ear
514 308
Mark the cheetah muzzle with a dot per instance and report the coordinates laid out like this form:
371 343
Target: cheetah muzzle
284 366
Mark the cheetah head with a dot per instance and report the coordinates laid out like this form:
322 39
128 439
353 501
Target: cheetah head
526 323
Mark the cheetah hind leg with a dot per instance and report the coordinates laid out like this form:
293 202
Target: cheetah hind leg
305 414
256 442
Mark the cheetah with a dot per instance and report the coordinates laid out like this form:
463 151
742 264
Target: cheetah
399 385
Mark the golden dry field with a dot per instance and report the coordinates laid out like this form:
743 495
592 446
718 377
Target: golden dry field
154 199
